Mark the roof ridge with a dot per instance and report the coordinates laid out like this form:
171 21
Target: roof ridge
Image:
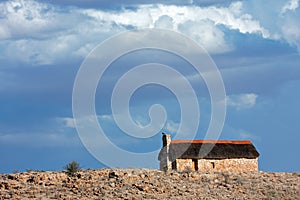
212 141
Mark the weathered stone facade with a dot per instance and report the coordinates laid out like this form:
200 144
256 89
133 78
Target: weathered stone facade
208 156
220 165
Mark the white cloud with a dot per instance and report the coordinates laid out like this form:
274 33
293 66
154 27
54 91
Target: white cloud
68 122
291 32
289 23
165 22
206 34
38 33
105 117
192 21
30 19
291 5
242 101
280 18
41 33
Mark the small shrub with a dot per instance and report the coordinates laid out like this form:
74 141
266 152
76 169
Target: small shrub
72 168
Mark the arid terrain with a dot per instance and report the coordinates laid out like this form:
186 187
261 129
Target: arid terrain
149 184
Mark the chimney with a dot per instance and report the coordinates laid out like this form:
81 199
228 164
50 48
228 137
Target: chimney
166 138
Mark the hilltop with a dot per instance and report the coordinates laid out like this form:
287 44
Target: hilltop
149 184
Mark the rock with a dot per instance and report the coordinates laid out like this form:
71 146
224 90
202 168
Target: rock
140 188
112 184
112 175
11 177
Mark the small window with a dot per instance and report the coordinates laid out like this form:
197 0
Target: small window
213 164
195 164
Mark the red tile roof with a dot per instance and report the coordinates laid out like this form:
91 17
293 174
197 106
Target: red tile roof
212 141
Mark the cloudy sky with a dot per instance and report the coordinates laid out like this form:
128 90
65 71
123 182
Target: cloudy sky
255 45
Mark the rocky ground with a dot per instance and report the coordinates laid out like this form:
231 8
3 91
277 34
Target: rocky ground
149 184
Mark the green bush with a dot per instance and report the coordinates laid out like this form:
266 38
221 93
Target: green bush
72 168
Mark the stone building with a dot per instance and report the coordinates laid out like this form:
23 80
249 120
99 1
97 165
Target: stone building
208 155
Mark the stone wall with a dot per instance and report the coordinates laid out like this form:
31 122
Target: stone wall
222 165
184 164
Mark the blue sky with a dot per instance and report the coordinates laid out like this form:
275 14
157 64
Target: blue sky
255 44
